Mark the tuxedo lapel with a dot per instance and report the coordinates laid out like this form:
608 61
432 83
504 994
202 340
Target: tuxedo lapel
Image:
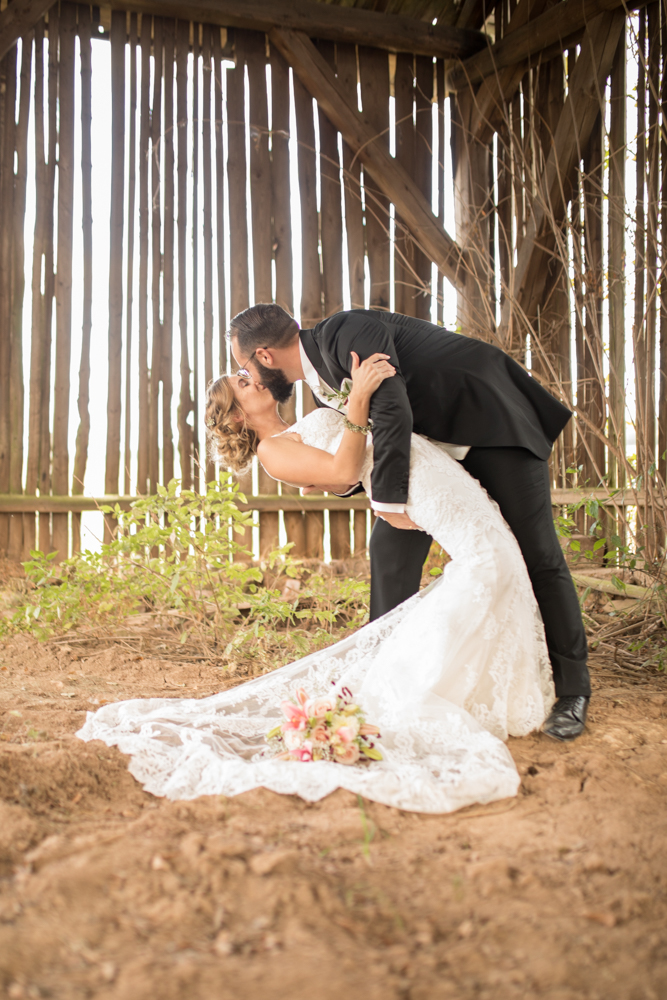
314 355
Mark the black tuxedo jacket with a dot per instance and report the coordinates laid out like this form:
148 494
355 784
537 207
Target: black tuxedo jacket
447 386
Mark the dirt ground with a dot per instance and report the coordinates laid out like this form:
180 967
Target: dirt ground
108 892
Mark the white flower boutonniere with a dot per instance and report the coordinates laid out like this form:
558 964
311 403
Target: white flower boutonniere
338 397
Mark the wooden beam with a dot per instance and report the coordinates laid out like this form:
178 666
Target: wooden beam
572 133
18 19
553 28
21 504
393 32
393 180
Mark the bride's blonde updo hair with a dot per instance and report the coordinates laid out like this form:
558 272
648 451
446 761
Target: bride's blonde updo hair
229 443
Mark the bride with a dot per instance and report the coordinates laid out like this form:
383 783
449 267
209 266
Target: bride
447 675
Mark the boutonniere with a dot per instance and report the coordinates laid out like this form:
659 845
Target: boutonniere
339 396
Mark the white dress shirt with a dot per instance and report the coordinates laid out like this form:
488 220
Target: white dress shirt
321 389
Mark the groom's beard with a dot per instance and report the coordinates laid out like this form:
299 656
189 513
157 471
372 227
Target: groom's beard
275 380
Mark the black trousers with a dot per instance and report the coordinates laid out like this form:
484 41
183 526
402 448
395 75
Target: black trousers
519 483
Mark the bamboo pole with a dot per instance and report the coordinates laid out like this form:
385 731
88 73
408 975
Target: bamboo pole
185 405
64 274
16 388
83 432
116 225
354 216
157 162
37 343
167 331
7 194
374 79
144 227
129 301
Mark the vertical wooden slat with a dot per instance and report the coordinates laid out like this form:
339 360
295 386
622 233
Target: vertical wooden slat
354 216
238 218
423 170
653 186
220 199
37 359
638 331
143 450
617 155
440 153
662 388
261 215
206 106
115 347
16 390
185 400
311 291
331 227
129 303
295 528
594 458
156 253
7 193
196 139
374 78
64 273
83 432
167 330
404 245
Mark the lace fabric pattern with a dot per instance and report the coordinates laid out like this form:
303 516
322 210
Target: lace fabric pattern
447 675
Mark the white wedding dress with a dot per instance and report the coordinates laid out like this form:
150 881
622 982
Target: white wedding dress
446 676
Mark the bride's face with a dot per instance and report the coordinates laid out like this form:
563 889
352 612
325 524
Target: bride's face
253 398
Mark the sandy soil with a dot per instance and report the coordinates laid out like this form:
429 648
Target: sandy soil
108 892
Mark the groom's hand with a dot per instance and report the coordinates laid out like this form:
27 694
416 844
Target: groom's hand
398 520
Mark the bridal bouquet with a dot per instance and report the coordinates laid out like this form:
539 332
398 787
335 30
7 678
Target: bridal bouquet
331 728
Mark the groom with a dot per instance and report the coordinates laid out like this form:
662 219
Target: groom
496 419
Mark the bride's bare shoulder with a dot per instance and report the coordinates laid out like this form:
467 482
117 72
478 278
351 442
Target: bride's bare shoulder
276 443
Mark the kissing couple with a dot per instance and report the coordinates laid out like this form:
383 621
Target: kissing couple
449 437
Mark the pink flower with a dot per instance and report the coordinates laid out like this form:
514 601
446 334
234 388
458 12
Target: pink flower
320 734
347 732
305 752
348 754
317 708
296 717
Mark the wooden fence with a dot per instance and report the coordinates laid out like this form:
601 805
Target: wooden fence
214 139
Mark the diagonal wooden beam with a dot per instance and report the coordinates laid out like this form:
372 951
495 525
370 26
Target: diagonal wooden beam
357 131
18 19
552 28
575 124
393 32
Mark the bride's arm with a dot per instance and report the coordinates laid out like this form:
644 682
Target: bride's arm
290 460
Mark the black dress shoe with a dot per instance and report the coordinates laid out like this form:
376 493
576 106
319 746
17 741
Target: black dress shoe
567 719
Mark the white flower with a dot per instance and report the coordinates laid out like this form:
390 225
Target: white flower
292 738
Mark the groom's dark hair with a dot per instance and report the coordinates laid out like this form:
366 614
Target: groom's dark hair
265 325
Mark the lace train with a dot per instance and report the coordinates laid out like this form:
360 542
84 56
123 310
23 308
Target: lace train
446 676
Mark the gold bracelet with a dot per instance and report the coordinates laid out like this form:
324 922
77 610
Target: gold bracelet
356 428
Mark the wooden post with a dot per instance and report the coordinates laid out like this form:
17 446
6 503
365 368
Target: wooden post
374 78
220 200
64 275
199 466
185 399
662 398
405 289
115 355
83 432
423 171
638 331
207 114
166 359
144 223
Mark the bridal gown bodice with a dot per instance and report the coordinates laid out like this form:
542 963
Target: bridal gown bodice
447 675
